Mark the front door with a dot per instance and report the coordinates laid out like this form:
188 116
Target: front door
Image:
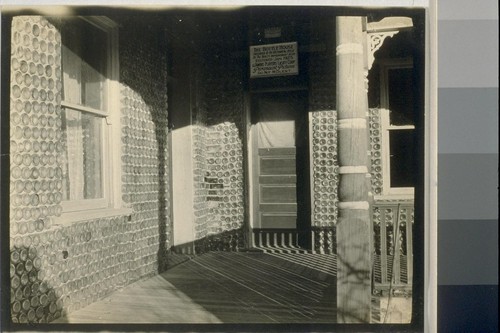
278 146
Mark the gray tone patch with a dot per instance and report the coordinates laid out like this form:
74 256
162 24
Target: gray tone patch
468 10
468 252
467 188
468 53
468 119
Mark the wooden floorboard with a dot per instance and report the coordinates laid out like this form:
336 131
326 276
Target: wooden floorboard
227 287
222 287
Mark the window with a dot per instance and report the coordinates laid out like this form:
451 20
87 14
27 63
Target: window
398 127
89 67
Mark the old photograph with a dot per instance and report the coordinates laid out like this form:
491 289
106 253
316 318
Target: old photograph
214 165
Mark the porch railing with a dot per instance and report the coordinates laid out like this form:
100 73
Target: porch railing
283 238
393 245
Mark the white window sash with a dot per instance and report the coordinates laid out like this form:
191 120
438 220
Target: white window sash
81 108
111 163
105 171
385 124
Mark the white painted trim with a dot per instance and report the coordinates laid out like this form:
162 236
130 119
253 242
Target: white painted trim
253 160
385 127
357 205
183 186
115 117
390 24
430 170
249 170
350 169
86 109
408 191
403 127
93 214
350 48
394 196
351 123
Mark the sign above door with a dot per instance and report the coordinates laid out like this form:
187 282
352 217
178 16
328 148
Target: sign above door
274 60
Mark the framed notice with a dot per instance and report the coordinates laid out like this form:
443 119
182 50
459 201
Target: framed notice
274 60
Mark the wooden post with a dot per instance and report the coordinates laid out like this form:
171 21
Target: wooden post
354 226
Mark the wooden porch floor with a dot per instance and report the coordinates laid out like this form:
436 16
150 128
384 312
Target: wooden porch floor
226 287
237 287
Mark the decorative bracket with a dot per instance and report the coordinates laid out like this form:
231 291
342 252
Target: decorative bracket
375 42
377 32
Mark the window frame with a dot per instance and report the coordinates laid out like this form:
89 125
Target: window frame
386 127
111 203
99 203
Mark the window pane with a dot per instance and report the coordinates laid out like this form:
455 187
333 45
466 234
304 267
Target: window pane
84 64
403 169
401 96
82 171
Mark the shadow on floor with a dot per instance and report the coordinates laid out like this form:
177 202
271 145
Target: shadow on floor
260 288
226 287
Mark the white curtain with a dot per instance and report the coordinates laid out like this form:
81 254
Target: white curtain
72 76
276 124
74 147
83 84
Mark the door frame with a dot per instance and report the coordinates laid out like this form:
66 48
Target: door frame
250 167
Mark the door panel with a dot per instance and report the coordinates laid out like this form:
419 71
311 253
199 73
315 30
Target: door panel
279 207
278 179
278 193
276 120
279 221
277 188
277 165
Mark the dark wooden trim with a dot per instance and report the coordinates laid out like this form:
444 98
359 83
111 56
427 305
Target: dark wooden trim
247 177
5 314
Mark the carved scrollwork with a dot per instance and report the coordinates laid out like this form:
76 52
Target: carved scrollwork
375 42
